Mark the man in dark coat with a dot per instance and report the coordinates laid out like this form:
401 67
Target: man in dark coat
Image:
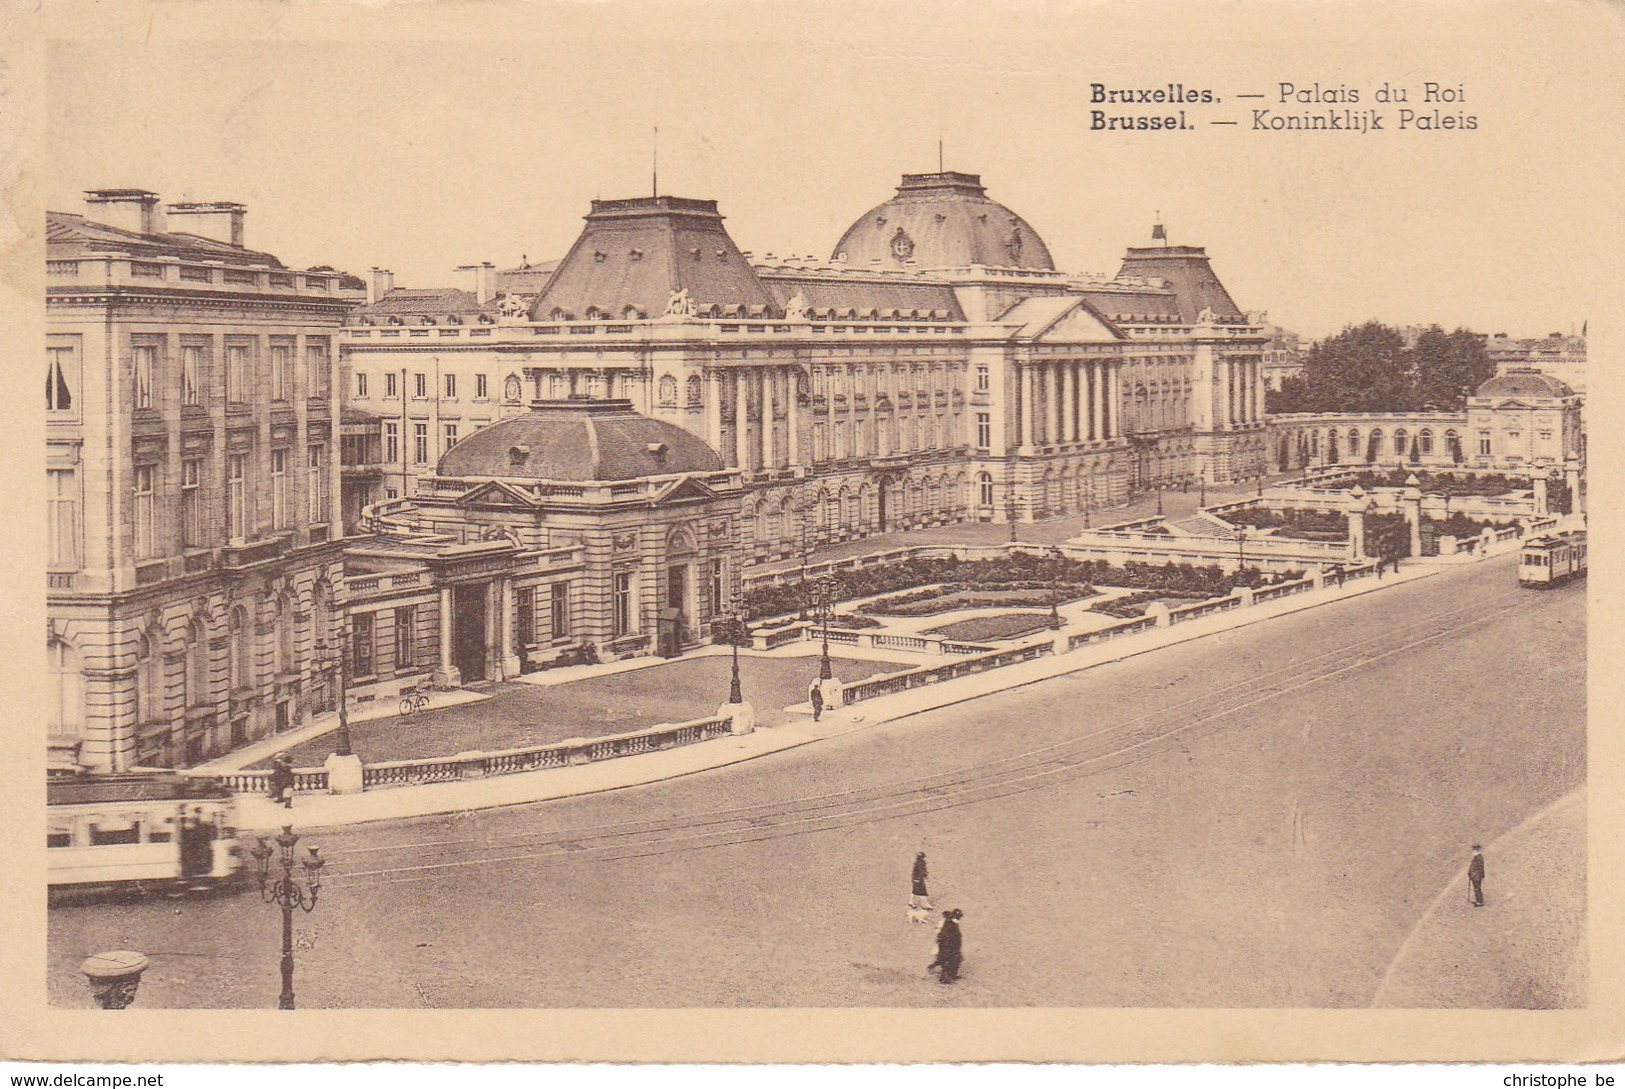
282 780
949 945
1475 875
919 901
815 695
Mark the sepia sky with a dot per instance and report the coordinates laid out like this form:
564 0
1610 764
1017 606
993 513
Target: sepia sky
481 132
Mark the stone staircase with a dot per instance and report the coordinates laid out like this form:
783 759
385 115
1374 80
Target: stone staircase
1202 525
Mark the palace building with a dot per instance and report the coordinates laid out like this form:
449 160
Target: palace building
935 368
194 580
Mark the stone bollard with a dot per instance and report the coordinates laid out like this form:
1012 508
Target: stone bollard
1158 611
741 717
1244 595
1447 545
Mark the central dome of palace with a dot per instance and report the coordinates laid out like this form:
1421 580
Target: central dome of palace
942 220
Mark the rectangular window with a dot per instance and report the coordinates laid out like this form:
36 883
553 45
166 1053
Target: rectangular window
481 389
1484 444
718 603
392 493
1545 436
391 388
279 489
982 381
420 443
420 385
984 431
191 503
146 361
191 375
560 610
144 544
451 385
236 373
449 436
63 530
236 500
61 379
623 603
392 441
361 644
525 617
318 361
281 372
406 637
315 485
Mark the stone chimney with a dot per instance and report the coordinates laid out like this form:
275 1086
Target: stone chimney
221 220
485 280
381 284
127 209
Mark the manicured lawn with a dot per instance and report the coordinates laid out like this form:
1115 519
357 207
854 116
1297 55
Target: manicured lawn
998 626
520 714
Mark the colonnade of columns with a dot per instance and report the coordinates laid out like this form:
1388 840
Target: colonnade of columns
1241 392
759 386
1067 401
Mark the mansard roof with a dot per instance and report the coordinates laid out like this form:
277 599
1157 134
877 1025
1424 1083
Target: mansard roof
69 235
634 256
1195 285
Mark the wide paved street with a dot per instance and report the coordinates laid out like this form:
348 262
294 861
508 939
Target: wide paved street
1259 818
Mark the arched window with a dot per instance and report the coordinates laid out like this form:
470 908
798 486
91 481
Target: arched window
148 680
1399 443
984 489
242 650
1426 439
1354 443
65 683
696 391
198 692
668 392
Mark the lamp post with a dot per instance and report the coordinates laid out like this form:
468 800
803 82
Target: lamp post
1010 509
341 743
114 977
824 612
802 511
734 629
1241 550
288 893
1202 498
1057 558
1159 499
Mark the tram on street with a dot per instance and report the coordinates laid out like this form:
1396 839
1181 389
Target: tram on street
1552 560
139 832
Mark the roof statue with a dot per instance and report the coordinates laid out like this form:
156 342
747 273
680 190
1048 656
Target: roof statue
512 306
795 309
679 305
1207 316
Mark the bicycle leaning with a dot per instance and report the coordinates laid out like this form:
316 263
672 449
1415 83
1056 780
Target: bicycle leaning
413 700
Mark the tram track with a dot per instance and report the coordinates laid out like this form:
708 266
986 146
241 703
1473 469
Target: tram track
1112 745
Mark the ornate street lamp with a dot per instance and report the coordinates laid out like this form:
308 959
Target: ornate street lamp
1241 550
1202 499
802 511
1057 558
1159 499
734 629
114 977
287 893
824 612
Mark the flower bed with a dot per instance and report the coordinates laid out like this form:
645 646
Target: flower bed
852 622
999 626
1135 604
1442 483
1308 525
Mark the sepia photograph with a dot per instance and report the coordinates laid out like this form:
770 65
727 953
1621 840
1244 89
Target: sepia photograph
774 532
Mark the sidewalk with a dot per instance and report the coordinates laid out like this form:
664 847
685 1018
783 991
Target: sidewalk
256 813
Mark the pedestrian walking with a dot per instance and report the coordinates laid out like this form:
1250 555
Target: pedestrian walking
919 901
1475 875
950 945
815 695
186 836
282 780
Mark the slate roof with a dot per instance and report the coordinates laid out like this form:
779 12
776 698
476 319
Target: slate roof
942 220
526 279
833 296
436 301
68 234
1195 286
578 439
636 253
1523 383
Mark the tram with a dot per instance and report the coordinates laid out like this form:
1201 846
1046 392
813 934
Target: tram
1552 560
146 832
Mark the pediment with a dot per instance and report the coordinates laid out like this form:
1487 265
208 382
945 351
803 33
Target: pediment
494 493
686 490
1080 324
1514 404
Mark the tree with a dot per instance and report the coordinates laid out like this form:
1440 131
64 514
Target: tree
1293 396
1447 367
1361 369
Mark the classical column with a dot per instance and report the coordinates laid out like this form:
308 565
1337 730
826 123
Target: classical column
1024 412
1055 403
1069 402
713 410
1109 411
510 661
792 418
764 383
446 676
741 420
